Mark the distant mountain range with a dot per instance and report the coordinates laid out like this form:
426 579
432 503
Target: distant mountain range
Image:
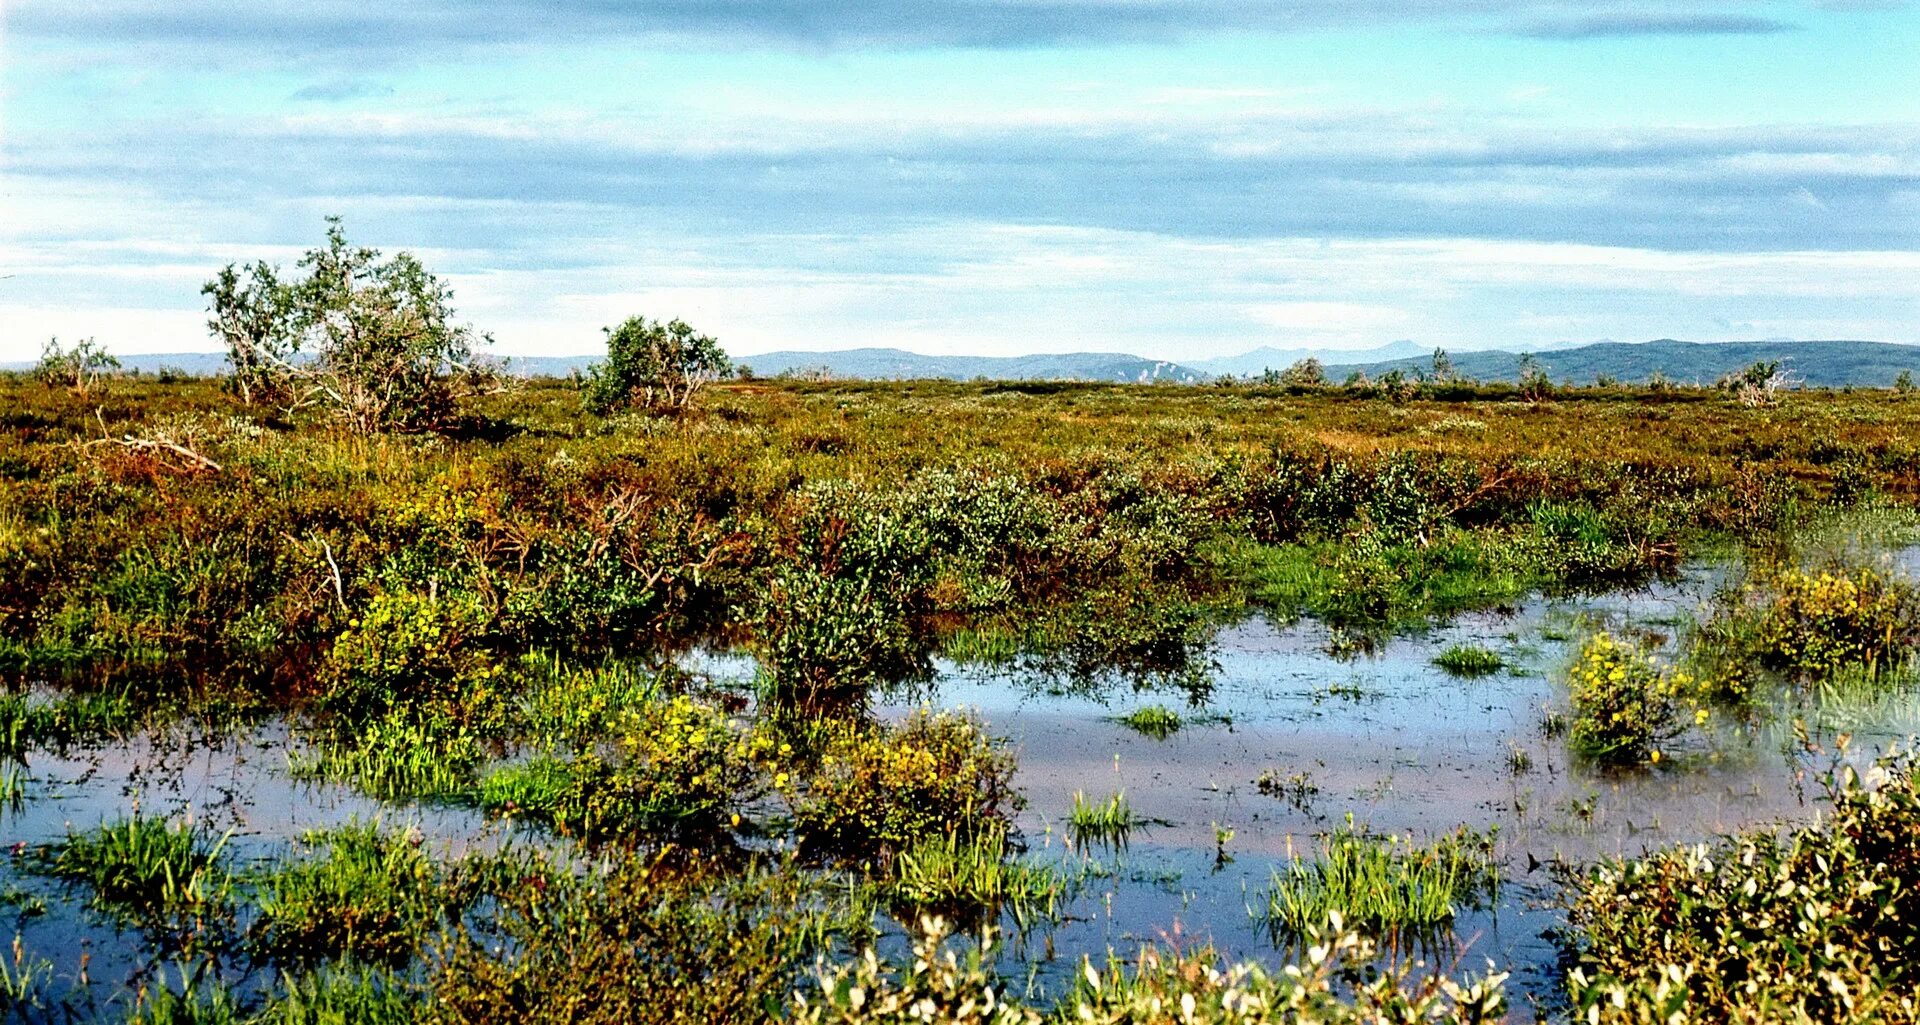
1822 364
1830 364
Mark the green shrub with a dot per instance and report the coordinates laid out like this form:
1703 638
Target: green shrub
837 615
383 351
406 649
1816 624
1625 706
1185 986
676 765
1812 926
877 790
658 367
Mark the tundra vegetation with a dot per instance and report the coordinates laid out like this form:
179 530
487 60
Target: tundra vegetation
441 589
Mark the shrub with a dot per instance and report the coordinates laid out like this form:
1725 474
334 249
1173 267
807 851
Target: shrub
878 789
1817 624
1624 705
1815 926
77 367
1306 373
406 648
678 766
656 366
371 341
837 614
1191 986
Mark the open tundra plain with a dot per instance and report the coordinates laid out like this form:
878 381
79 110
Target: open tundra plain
873 702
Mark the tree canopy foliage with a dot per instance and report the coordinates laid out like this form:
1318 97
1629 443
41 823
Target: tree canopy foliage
372 341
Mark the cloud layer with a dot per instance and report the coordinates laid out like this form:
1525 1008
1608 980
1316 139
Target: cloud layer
1178 178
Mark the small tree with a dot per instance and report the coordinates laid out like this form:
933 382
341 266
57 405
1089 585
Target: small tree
77 367
1307 373
1535 385
656 366
1442 367
371 340
1904 383
1758 385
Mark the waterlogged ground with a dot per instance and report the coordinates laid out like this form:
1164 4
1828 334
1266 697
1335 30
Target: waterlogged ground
1386 737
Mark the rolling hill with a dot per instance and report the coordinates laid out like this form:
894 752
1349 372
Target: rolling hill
1827 364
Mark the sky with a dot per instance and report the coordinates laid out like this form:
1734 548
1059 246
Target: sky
1179 179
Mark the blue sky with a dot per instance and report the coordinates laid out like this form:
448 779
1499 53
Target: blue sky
1175 178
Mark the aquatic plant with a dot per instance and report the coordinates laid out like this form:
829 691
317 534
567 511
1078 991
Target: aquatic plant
1156 721
1624 705
13 785
391 757
1815 624
24 980
673 765
198 1001
969 875
1108 821
344 994
1381 883
1469 660
366 894
877 789
147 868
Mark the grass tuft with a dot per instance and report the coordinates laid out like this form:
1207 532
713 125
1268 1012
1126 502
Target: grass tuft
1156 721
1470 660
1383 884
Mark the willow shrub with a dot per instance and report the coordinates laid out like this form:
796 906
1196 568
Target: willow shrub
1192 986
1816 925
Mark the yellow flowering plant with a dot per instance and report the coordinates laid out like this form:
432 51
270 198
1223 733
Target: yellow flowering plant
1625 705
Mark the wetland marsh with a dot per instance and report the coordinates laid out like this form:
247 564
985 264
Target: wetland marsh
562 716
